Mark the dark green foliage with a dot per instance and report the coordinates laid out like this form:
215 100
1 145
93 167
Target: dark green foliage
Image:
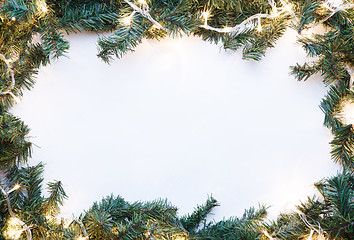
343 145
14 147
191 222
123 40
249 226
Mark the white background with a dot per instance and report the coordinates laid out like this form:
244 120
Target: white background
179 119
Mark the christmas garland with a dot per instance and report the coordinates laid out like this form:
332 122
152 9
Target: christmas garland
253 26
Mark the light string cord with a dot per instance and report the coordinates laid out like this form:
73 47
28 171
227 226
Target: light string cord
333 11
145 11
12 75
313 229
12 214
276 12
83 229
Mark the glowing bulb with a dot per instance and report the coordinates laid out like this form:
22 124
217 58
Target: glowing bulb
310 236
347 113
325 5
155 26
82 238
14 229
288 8
142 2
17 186
206 14
128 20
13 19
17 100
267 234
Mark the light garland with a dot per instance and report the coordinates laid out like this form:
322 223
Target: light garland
12 75
333 11
14 233
145 11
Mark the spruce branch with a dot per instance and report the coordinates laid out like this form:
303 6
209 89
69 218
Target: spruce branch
343 146
192 221
55 199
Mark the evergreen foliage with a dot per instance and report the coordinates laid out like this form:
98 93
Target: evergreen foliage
32 35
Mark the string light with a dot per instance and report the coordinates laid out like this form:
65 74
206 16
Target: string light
13 19
17 186
259 28
288 8
346 115
82 238
155 26
333 11
227 29
128 20
14 229
206 15
142 2
14 221
325 5
267 235
12 76
310 236
145 12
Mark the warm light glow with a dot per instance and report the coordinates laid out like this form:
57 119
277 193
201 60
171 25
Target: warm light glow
288 8
14 229
267 234
155 26
325 5
17 186
310 236
17 100
335 3
179 238
128 20
142 2
13 19
206 14
82 238
347 113
42 6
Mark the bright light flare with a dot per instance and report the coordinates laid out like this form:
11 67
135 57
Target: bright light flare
142 2
288 8
17 100
310 236
347 113
128 19
206 14
14 229
82 238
